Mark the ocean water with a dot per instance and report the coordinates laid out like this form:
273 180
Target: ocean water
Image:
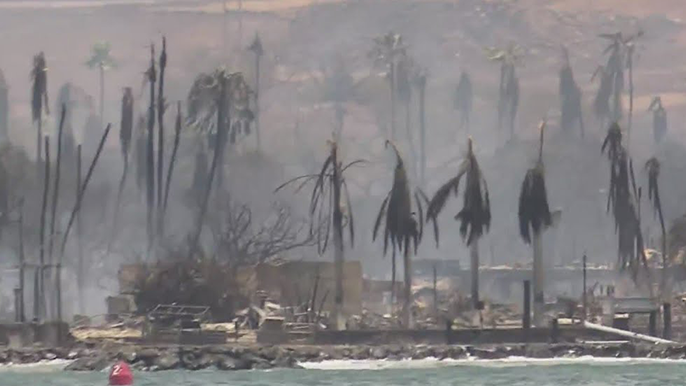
509 372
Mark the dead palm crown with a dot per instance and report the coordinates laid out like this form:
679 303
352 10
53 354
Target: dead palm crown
608 100
203 105
508 90
402 229
659 119
534 213
475 216
39 96
463 99
623 200
570 97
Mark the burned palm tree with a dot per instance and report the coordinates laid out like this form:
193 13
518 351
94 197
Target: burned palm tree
475 216
140 149
39 97
4 109
330 214
601 101
508 89
161 108
534 218
125 133
659 119
101 60
652 166
151 77
570 98
403 230
218 104
256 48
387 51
623 202
463 99
619 53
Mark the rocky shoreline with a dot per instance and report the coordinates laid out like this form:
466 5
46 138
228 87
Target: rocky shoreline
232 358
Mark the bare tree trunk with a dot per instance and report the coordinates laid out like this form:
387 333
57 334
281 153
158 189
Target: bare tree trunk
22 262
393 276
55 200
422 132
39 144
102 96
150 154
631 97
338 241
474 267
392 74
160 139
172 161
407 289
258 56
538 282
81 274
44 207
4 113
82 190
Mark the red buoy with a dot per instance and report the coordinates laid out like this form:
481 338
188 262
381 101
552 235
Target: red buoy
121 375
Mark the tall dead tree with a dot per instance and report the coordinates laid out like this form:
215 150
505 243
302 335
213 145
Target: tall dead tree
402 229
475 216
39 97
534 217
328 218
150 152
55 198
40 271
258 51
161 107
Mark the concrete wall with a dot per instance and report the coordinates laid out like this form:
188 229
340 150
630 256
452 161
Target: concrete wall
292 282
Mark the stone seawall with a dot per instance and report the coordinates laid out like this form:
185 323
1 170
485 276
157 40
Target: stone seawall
267 357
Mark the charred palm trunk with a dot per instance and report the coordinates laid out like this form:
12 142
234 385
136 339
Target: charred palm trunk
474 270
22 263
160 140
338 241
4 111
53 211
81 272
82 189
393 276
258 56
539 282
150 153
393 99
101 70
407 288
216 159
44 207
631 95
172 161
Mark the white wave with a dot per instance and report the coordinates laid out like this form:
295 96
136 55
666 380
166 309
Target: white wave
43 366
428 363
